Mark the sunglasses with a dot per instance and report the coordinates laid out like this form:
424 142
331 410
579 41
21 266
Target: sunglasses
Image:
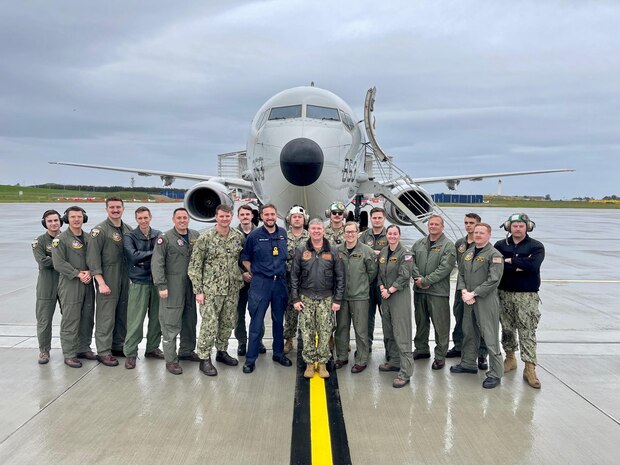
338 213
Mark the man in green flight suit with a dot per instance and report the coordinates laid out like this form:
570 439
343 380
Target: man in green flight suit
177 305
106 260
75 289
480 273
433 257
47 282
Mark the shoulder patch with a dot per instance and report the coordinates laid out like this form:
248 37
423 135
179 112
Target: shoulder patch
94 232
497 260
160 240
408 258
55 242
35 243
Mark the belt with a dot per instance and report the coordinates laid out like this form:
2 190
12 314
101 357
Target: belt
274 277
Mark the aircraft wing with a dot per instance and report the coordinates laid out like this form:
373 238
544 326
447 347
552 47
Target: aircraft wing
453 181
168 177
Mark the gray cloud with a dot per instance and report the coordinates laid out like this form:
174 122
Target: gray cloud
463 86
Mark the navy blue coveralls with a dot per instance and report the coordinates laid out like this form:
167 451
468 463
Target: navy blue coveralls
267 255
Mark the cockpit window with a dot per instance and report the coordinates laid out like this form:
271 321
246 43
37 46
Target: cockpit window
292 111
347 120
325 113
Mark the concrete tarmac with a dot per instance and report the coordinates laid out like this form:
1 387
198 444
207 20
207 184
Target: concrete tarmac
53 414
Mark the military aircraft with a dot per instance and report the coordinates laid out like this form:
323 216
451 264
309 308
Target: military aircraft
305 147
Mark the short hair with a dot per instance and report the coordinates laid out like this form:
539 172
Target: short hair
484 225
436 216
267 205
114 199
178 210
143 209
377 210
245 207
316 221
223 208
49 213
393 226
351 223
475 216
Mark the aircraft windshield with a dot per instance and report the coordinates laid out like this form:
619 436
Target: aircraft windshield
331 114
292 111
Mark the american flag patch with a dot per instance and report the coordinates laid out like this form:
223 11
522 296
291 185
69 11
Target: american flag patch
497 260
408 258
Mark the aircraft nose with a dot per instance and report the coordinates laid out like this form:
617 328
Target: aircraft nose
301 161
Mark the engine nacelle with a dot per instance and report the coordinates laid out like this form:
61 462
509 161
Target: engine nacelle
202 199
415 199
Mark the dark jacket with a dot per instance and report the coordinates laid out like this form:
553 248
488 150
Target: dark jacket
317 274
527 256
139 250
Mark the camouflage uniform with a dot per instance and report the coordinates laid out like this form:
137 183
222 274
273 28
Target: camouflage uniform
317 280
461 246
480 273
433 263
374 301
106 257
292 316
518 295
177 313
214 271
520 314
334 236
76 298
47 290
395 271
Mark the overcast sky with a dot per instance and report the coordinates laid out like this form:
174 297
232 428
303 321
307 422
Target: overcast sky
462 86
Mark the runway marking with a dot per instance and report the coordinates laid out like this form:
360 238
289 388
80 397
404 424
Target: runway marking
320 439
319 435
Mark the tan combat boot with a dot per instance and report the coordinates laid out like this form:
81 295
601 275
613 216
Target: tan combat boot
510 363
323 373
288 345
309 373
529 375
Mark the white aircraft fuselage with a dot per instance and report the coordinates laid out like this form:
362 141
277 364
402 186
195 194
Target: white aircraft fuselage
304 148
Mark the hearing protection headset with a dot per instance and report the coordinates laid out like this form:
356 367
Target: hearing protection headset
518 218
335 207
297 210
65 216
48 213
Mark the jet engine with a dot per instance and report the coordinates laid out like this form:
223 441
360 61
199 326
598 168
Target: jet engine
415 199
202 199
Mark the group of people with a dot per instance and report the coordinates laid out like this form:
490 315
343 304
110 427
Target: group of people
317 279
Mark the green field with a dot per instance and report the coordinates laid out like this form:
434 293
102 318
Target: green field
10 194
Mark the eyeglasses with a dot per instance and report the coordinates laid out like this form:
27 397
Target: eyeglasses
338 213
350 232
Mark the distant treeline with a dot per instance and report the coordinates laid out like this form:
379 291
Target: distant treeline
82 187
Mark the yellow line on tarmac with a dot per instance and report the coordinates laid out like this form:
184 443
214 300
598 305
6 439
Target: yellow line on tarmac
319 423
